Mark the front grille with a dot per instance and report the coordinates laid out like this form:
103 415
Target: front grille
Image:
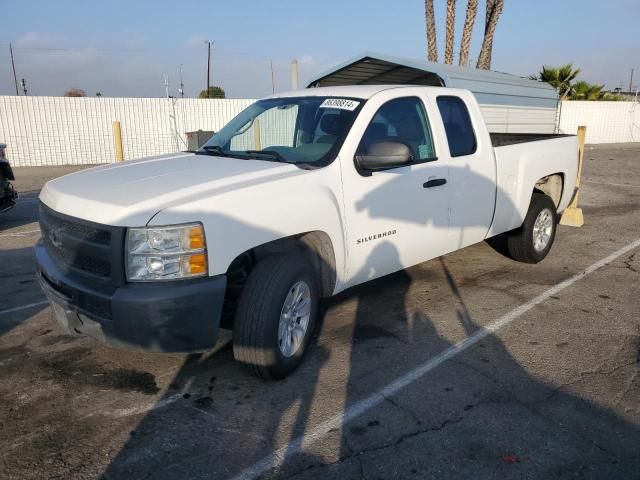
80 247
71 258
81 232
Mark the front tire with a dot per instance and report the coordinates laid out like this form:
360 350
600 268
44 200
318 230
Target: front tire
275 316
533 240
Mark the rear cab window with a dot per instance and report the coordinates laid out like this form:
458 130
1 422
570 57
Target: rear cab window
457 125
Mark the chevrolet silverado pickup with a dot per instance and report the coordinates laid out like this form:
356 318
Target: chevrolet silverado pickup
300 196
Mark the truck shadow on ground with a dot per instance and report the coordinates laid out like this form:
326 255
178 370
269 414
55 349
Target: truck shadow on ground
489 414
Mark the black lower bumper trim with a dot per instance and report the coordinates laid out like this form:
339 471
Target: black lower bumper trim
177 316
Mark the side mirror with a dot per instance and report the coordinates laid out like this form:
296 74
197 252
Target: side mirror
384 155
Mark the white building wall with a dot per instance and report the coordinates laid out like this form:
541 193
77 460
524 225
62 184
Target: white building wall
606 122
65 131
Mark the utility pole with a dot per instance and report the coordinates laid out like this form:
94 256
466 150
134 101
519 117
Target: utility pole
181 90
24 86
294 74
13 66
208 65
273 81
631 81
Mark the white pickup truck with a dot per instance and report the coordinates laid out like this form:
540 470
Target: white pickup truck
300 196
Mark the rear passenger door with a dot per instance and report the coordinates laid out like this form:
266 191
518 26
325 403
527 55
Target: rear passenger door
471 169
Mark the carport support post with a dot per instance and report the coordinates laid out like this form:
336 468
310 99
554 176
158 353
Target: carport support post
572 216
117 139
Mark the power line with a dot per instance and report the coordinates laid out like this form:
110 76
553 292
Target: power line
55 49
220 52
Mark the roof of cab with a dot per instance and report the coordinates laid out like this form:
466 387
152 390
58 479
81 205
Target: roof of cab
489 87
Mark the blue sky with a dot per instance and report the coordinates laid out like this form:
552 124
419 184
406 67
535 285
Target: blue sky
123 48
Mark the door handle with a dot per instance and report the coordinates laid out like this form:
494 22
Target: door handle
436 182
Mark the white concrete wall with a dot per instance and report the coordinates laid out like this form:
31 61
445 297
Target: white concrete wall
606 122
64 131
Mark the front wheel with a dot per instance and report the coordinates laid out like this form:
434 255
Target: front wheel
275 316
533 240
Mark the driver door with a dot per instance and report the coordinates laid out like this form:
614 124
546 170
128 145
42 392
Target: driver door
397 217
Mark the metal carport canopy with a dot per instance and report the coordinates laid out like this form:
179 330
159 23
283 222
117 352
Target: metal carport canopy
489 87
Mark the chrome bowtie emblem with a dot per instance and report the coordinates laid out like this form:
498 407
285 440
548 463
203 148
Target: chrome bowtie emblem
54 237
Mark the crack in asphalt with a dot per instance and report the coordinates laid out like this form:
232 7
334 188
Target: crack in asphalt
590 373
416 433
404 409
628 262
627 387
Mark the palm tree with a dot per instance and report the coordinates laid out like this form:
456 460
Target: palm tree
494 9
560 78
432 48
450 31
469 19
586 91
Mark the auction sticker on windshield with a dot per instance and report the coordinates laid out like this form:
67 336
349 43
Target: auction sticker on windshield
341 103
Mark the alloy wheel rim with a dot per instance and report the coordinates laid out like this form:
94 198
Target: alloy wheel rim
542 230
294 319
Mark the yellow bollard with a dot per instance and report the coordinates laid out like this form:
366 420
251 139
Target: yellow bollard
572 216
256 134
117 139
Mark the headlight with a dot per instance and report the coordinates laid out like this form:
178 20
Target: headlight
166 253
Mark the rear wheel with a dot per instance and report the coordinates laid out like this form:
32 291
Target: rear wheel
533 240
275 316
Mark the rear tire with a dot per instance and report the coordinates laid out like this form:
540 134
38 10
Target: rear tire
533 240
271 331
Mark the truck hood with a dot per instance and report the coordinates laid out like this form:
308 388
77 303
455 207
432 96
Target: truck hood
131 193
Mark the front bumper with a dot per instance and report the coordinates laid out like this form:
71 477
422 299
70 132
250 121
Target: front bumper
174 316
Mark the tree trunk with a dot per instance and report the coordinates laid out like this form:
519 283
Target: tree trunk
494 9
467 31
451 26
432 48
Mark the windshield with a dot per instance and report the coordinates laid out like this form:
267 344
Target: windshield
307 131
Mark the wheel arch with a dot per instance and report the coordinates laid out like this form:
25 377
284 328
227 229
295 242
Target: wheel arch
315 245
551 185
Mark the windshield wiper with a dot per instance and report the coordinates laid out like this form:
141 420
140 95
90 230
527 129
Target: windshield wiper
213 150
270 154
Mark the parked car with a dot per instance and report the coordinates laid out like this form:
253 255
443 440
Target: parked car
8 195
301 196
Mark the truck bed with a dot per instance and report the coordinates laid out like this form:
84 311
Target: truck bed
503 139
522 160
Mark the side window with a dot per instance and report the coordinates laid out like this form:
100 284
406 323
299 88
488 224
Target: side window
457 125
401 120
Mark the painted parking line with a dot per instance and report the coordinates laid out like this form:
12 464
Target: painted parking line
20 234
23 307
278 457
